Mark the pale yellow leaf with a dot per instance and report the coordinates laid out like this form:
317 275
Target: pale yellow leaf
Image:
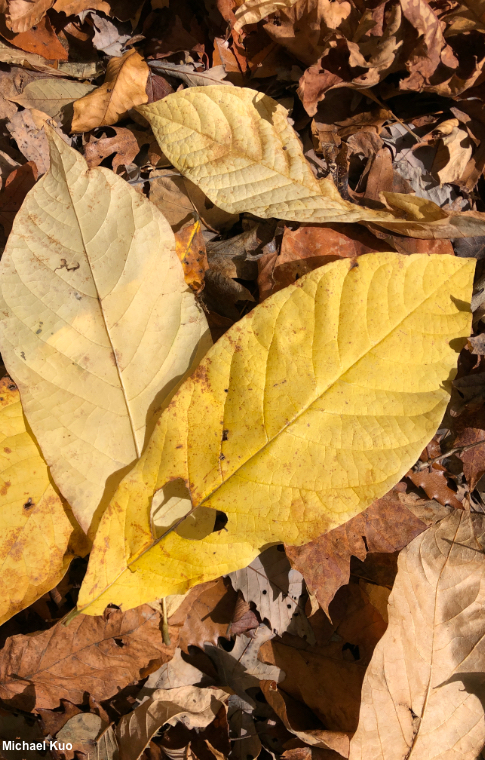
303 413
38 534
238 146
52 96
253 11
123 88
97 325
421 692
191 705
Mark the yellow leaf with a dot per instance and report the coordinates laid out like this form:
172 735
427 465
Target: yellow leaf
123 88
38 534
97 324
303 413
253 11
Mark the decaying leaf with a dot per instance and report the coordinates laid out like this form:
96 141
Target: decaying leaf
123 88
39 536
343 386
190 705
110 326
190 248
99 656
422 695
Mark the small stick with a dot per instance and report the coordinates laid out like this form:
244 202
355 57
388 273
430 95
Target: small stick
458 450
165 630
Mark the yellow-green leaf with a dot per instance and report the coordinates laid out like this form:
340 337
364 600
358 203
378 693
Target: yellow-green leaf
299 417
38 534
97 325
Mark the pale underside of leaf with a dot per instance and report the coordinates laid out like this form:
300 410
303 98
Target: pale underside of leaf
253 11
299 417
421 693
37 540
97 323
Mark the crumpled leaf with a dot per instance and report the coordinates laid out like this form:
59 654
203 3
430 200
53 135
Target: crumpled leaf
87 732
123 88
252 11
110 326
190 248
314 363
65 662
275 588
39 536
190 705
189 74
109 37
24 14
27 129
421 695
53 96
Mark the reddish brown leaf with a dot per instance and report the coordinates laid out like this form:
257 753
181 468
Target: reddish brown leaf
41 40
469 428
309 247
205 614
17 185
244 619
386 526
94 655
125 145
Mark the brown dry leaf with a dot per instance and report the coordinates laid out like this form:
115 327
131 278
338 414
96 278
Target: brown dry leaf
192 706
123 88
16 187
168 193
27 129
422 695
211 216
205 614
125 145
24 14
465 16
42 40
244 619
328 677
428 220
97 655
309 247
433 478
431 49
454 151
53 96
469 428
190 248
123 10
35 62
385 526
284 706
252 11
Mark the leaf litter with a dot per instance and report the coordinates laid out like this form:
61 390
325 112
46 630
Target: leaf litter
285 560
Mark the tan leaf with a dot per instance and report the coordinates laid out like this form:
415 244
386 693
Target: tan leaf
38 534
24 14
190 248
452 156
53 96
87 732
27 129
123 88
110 329
421 693
192 706
65 662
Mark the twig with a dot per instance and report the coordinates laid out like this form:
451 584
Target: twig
423 465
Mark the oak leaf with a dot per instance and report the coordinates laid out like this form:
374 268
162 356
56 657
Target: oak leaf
303 413
123 88
110 326
423 690
38 534
98 655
